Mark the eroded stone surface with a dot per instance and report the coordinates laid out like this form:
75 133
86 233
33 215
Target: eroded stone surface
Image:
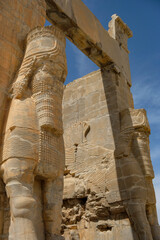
33 150
17 19
83 29
108 190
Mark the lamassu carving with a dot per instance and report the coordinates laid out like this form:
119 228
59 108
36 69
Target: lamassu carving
33 151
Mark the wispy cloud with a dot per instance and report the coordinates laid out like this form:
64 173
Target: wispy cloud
156 183
146 90
146 95
154 117
155 152
82 63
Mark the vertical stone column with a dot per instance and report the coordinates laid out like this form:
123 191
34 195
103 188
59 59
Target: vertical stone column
133 158
45 54
34 126
17 18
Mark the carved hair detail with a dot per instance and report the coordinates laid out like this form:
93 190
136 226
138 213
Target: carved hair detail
136 118
38 52
46 31
22 80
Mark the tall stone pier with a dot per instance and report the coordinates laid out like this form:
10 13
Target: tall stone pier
74 160
17 19
108 190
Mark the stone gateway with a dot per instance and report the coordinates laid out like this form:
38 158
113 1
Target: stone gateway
74 160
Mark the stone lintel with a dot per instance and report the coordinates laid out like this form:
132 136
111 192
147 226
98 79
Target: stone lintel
83 29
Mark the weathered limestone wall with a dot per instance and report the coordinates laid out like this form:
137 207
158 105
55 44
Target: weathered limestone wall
99 182
17 18
33 150
108 190
90 176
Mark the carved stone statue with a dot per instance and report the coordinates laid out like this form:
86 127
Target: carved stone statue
33 150
133 157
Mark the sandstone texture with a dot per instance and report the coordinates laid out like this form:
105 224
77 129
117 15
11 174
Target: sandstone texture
33 151
17 18
108 190
83 29
73 166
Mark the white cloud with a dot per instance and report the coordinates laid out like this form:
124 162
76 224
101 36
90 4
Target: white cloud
146 90
146 95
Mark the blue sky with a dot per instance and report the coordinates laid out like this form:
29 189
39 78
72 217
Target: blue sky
143 18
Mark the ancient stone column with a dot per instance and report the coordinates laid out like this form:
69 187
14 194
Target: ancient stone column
17 18
133 157
33 151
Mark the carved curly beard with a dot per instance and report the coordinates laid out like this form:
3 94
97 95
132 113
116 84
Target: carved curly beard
19 87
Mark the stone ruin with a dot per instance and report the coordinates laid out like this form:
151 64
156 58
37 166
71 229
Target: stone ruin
75 159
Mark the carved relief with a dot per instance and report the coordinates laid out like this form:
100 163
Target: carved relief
104 187
133 155
108 191
33 151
